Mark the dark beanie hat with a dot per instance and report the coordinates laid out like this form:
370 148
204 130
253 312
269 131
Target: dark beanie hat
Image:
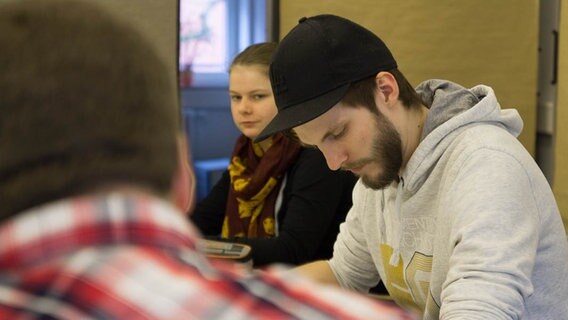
315 64
85 102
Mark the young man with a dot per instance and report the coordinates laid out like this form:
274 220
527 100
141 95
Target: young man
451 212
88 157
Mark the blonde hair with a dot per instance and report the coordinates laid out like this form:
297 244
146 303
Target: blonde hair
257 54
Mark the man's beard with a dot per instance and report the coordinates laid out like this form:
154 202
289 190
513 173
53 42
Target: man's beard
386 153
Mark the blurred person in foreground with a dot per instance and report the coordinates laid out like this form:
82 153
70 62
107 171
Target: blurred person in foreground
88 156
451 212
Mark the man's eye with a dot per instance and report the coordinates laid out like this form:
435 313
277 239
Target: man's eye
339 133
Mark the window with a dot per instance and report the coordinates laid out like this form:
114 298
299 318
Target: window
212 32
205 103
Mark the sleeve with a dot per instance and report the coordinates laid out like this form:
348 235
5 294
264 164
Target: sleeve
352 262
493 238
314 197
209 213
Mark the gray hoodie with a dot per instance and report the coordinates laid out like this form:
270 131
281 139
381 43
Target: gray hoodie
472 231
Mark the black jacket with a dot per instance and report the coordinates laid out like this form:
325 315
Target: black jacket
315 201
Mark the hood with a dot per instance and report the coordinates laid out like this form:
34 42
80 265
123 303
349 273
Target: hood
452 109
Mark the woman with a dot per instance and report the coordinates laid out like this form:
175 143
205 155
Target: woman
276 196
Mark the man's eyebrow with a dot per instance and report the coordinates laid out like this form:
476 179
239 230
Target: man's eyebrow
330 131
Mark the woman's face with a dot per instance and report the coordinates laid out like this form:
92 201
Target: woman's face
252 102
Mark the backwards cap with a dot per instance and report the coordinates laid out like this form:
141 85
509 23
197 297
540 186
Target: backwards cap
315 64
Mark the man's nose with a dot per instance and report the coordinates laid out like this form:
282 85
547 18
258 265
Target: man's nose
334 156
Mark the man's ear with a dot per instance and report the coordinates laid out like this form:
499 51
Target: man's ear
387 87
183 184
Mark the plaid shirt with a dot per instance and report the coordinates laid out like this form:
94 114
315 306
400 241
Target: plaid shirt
134 257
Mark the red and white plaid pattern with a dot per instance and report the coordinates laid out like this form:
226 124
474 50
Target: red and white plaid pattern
134 257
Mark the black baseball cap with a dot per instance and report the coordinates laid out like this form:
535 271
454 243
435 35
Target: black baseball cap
314 65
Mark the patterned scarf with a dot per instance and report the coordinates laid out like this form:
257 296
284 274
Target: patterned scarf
256 177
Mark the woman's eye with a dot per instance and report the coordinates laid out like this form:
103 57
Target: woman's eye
258 96
235 98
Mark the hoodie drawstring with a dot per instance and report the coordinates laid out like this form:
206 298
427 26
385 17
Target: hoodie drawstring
397 234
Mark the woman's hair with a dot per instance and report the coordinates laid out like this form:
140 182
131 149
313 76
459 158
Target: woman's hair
362 93
256 54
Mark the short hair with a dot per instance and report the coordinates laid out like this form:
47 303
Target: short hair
85 102
256 54
362 93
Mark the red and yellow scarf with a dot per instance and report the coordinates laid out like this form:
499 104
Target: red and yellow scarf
256 177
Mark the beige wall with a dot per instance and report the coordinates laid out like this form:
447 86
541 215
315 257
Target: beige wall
561 157
468 41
